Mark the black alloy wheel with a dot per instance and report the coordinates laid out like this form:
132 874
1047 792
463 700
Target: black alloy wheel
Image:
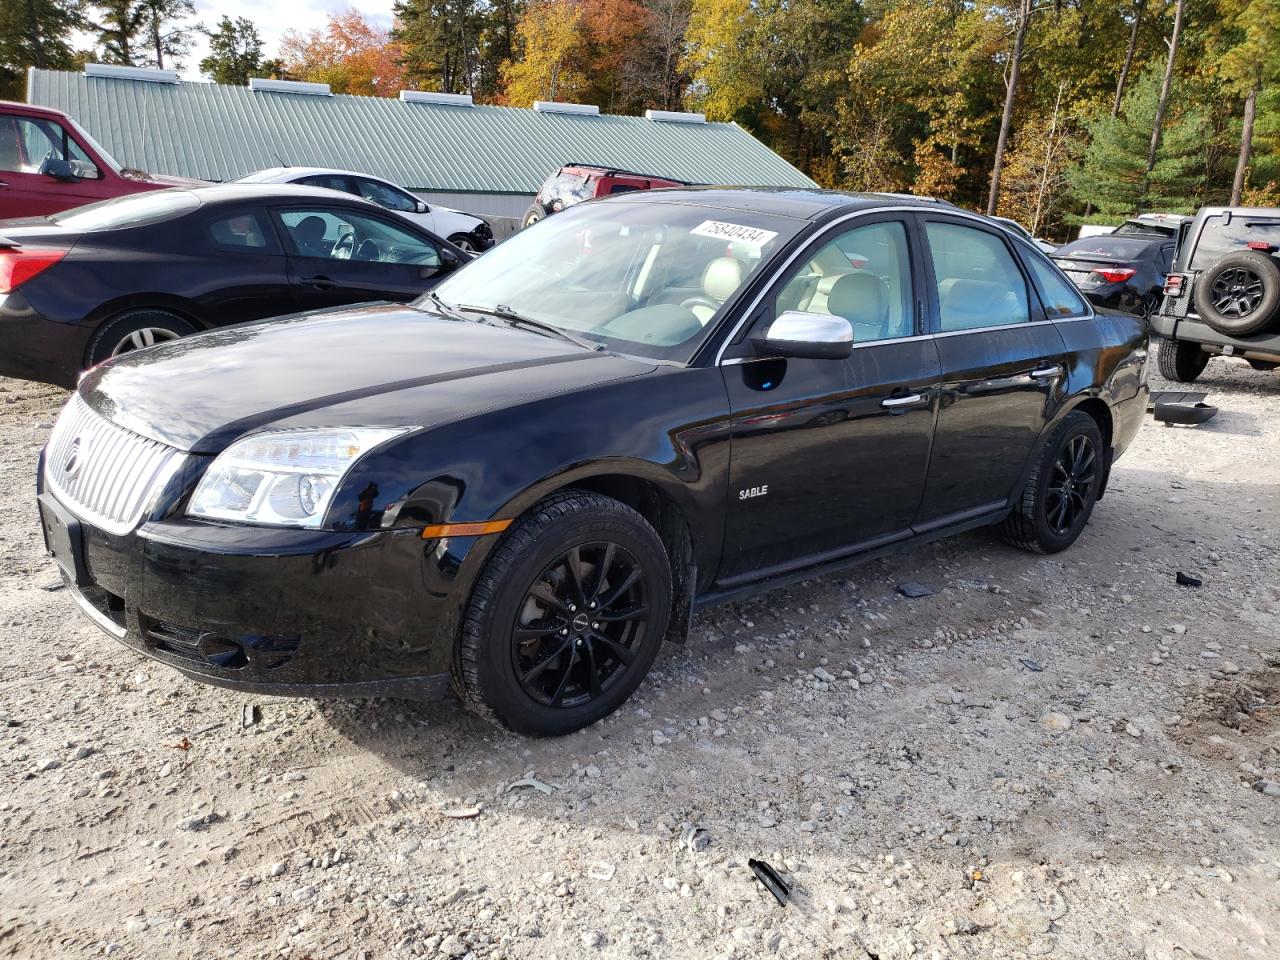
581 624
1073 481
566 617
1236 292
1062 490
1240 294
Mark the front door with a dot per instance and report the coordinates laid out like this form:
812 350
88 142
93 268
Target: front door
26 192
1003 370
830 456
340 256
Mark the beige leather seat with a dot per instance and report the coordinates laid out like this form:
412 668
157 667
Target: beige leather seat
720 280
863 299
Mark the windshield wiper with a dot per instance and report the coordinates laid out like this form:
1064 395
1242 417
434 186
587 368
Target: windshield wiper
447 309
518 320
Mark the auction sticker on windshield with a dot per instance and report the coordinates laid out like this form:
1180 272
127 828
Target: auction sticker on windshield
737 232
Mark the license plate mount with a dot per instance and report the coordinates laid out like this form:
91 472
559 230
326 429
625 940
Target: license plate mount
63 539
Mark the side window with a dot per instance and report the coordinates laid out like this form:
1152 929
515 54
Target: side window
241 233
26 141
330 234
329 181
979 283
385 196
864 276
1060 296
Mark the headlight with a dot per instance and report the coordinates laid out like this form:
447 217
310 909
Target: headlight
286 477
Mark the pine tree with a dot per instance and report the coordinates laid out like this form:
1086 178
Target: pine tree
235 52
33 33
1112 174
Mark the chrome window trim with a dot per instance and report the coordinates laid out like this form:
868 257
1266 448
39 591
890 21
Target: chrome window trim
818 238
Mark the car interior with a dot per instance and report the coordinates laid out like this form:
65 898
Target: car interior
325 234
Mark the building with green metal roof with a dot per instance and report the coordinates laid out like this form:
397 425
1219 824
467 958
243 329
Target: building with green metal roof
483 159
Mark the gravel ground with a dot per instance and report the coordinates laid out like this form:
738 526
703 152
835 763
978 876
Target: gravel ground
1064 756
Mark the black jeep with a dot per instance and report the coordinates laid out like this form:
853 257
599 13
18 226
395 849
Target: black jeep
1222 297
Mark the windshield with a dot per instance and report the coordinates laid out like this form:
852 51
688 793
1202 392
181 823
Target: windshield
1110 247
133 210
95 146
645 278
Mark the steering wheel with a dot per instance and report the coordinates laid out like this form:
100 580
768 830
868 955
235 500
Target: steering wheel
701 301
345 246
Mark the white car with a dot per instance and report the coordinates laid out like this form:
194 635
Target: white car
461 229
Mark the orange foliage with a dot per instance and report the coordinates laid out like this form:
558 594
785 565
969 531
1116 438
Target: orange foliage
349 53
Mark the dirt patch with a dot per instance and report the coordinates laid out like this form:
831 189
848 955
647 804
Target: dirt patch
1022 764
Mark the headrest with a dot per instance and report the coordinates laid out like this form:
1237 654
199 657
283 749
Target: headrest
311 228
860 298
722 277
969 303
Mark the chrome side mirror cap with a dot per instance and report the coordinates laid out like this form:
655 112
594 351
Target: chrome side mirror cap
811 336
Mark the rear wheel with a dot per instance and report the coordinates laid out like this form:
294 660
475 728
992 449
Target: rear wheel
566 618
1060 494
1181 360
135 330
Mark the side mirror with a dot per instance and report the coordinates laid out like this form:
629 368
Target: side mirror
421 207
807 336
63 170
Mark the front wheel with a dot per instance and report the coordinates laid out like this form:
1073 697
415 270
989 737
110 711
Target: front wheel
1181 361
1061 492
464 242
531 216
566 618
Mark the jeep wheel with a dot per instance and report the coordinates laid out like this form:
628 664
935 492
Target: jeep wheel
1062 490
1239 294
566 617
533 215
1180 360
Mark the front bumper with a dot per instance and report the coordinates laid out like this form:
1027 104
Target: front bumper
275 611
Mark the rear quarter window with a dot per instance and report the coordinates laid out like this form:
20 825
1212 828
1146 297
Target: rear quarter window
1219 238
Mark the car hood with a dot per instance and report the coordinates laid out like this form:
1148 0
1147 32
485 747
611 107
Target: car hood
366 366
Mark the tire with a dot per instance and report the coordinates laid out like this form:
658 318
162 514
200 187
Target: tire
1181 360
533 215
133 331
1262 365
464 241
1074 459
1239 294
539 683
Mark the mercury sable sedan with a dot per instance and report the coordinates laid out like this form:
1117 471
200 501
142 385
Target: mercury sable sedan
530 478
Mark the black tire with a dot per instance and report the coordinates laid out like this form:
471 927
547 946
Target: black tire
466 242
533 215
1262 365
1239 294
1181 360
1060 494
542 685
131 331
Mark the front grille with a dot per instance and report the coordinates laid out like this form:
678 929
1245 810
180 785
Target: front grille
104 473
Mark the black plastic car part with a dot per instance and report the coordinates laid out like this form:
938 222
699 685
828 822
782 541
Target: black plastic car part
1186 414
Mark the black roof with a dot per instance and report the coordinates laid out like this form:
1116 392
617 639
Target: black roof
800 204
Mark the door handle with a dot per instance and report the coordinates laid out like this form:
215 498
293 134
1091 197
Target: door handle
320 283
3 183
905 402
1049 372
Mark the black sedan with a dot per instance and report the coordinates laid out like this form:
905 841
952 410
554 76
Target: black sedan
1123 272
530 478
101 280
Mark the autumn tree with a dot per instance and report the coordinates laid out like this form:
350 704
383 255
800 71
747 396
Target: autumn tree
235 52
348 53
1251 64
550 48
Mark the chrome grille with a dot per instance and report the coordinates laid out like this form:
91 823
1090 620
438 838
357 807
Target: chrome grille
105 474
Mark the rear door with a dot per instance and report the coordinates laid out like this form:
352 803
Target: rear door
1003 369
338 256
24 191
830 456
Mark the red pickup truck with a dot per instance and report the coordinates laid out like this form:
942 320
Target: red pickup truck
49 163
